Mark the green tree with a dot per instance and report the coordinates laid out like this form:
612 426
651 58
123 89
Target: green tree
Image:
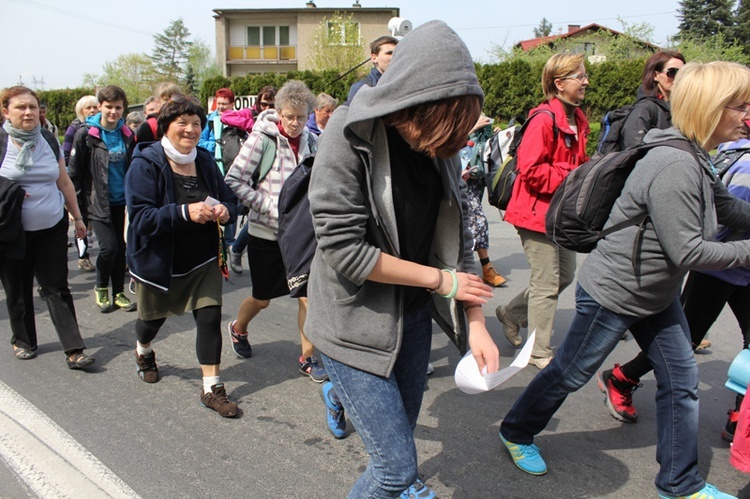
704 18
202 61
544 28
135 73
741 29
712 48
170 54
338 44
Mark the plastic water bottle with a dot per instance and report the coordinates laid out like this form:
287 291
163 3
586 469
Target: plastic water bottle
466 153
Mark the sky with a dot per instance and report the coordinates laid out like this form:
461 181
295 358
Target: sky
57 42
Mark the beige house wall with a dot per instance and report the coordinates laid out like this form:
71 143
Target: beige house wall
373 23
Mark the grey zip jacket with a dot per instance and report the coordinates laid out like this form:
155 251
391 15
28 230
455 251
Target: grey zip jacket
350 319
685 202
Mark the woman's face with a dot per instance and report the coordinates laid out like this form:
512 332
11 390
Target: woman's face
184 132
731 126
23 112
322 115
572 87
665 78
91 110
293 120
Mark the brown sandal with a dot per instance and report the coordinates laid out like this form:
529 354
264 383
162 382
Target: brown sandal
79 360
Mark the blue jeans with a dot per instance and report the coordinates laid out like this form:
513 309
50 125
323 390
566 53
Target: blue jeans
594 333
385 410
241 240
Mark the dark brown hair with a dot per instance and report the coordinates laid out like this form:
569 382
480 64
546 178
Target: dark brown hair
178 105
655 64
7 94
440 128
377 43
112 93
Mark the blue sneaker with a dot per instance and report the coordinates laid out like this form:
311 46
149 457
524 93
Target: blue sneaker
239 342
707 492
418 490
310 367
526 457
335 411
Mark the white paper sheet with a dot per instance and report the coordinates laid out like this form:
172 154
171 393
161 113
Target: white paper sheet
470 380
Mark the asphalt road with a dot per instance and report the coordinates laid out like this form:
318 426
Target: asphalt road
106 433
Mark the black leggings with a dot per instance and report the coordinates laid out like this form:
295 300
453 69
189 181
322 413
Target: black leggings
703 298
207 339
110 264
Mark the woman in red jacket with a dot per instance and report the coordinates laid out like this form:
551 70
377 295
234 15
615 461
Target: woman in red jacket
553 145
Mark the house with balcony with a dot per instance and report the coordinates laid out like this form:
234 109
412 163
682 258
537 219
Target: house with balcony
279 40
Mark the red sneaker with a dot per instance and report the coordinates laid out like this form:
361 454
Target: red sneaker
618 392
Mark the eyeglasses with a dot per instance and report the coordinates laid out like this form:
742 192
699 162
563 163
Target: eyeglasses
267 105
744 109
670 72
576 76
292 118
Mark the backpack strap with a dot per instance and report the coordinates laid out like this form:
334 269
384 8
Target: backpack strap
3 144
153 124
266 159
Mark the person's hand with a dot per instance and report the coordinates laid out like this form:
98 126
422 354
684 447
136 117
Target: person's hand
221 213
80 229
482 122
471 288
483 348
200 213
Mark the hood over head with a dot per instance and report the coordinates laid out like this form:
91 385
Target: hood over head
431 63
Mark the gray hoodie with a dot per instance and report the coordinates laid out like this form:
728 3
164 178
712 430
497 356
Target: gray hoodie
685 203
350 319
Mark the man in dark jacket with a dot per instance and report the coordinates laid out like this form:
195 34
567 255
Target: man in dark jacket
381 51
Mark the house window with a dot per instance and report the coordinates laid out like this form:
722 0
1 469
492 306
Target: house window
253 35
343 33
267 35
283 35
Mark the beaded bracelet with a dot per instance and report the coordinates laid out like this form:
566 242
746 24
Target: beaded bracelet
454 290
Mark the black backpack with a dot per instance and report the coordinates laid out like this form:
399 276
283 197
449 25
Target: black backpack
724 160
581 205
296 233
502 173
48 136
610 131
231 141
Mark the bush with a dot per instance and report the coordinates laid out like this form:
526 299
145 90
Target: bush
61 105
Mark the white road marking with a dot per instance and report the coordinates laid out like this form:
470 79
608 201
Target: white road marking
47 459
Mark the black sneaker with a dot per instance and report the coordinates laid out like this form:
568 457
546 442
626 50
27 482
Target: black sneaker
145 366
240 345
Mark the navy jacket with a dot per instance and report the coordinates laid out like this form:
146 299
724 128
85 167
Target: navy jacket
154 214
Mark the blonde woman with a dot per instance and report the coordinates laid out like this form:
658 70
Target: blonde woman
685 203
553 145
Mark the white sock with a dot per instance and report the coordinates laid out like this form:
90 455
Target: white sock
143 350
208 382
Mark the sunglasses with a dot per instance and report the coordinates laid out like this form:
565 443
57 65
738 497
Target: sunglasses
671 72
267 105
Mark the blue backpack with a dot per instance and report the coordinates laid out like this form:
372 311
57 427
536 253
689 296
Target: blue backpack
610 131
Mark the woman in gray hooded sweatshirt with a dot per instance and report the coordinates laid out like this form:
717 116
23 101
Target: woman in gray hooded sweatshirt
390 211
632 279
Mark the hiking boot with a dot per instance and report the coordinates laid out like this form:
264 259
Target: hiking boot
510 328
310 367
707 492
240 345
526 457
124 303
217 400
101 296
86 265
334 411
235 261
491 277
618 391
145 366
727 434
418 490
